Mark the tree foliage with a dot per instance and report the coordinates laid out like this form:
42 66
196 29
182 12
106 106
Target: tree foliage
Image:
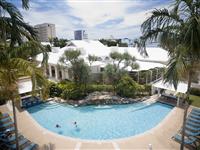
178 31
113 72
92 58
79 69
116 42
127 87
12 25
58 42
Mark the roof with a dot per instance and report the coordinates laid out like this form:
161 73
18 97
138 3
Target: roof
148 65
94 47
154 53
181 88
45 43
91 47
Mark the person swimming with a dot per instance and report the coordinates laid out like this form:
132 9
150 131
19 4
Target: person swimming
58 126
75 124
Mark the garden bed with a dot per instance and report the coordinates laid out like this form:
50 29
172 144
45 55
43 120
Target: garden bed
104 98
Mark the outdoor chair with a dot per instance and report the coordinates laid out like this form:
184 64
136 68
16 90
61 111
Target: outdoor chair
187 141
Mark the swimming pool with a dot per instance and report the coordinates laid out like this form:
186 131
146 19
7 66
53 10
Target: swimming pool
99 122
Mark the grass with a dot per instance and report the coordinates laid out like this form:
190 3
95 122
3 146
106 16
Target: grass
195 100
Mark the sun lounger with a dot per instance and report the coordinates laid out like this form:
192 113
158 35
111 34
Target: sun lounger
187 141
196 110
21 142
192 123
193 119
6 119
10 129
192 133
10 138
6 124
194 116
192 127
4 115
31 146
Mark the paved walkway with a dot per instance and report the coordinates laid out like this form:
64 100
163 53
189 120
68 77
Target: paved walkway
159 137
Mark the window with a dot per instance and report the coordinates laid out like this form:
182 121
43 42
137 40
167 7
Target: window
101 69
60 74
47 71
53 71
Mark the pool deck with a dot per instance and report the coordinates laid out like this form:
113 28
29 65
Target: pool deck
159 137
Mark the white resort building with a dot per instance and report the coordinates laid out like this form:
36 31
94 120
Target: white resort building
157 57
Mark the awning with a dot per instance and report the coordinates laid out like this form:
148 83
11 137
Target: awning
24 86
181 88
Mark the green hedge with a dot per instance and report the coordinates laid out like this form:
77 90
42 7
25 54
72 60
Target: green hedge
54 90
195 91
75 94
69 90
99 87
147 88
127 87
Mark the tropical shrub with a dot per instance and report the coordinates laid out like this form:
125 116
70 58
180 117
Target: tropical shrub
127 87
99 87
54 90
2 100
73 93
195 91
147 88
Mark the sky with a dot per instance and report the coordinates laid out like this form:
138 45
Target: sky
100 18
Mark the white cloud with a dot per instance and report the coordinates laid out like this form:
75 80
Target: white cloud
97 11
64 24
91 14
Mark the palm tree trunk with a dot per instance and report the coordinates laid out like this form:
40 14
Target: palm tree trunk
15 124
186 108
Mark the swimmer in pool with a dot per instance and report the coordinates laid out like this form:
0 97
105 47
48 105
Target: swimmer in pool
58 126
75 123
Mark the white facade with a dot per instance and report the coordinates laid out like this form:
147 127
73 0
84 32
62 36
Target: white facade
157 57
45 31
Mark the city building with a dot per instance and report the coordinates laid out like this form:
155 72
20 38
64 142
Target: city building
80 35
45 31
128 41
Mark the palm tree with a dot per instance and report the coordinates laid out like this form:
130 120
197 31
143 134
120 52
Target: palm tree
16 57
11 68
92 58
12 26
25 4
177 30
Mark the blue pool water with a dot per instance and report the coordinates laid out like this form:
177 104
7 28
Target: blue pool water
99 122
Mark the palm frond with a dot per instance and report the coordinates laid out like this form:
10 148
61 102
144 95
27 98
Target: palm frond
11 10
25 4
176 67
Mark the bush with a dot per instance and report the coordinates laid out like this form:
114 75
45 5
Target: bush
54 90
73 93
99 87
2 101
195 91
70 90
147 88
127 87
